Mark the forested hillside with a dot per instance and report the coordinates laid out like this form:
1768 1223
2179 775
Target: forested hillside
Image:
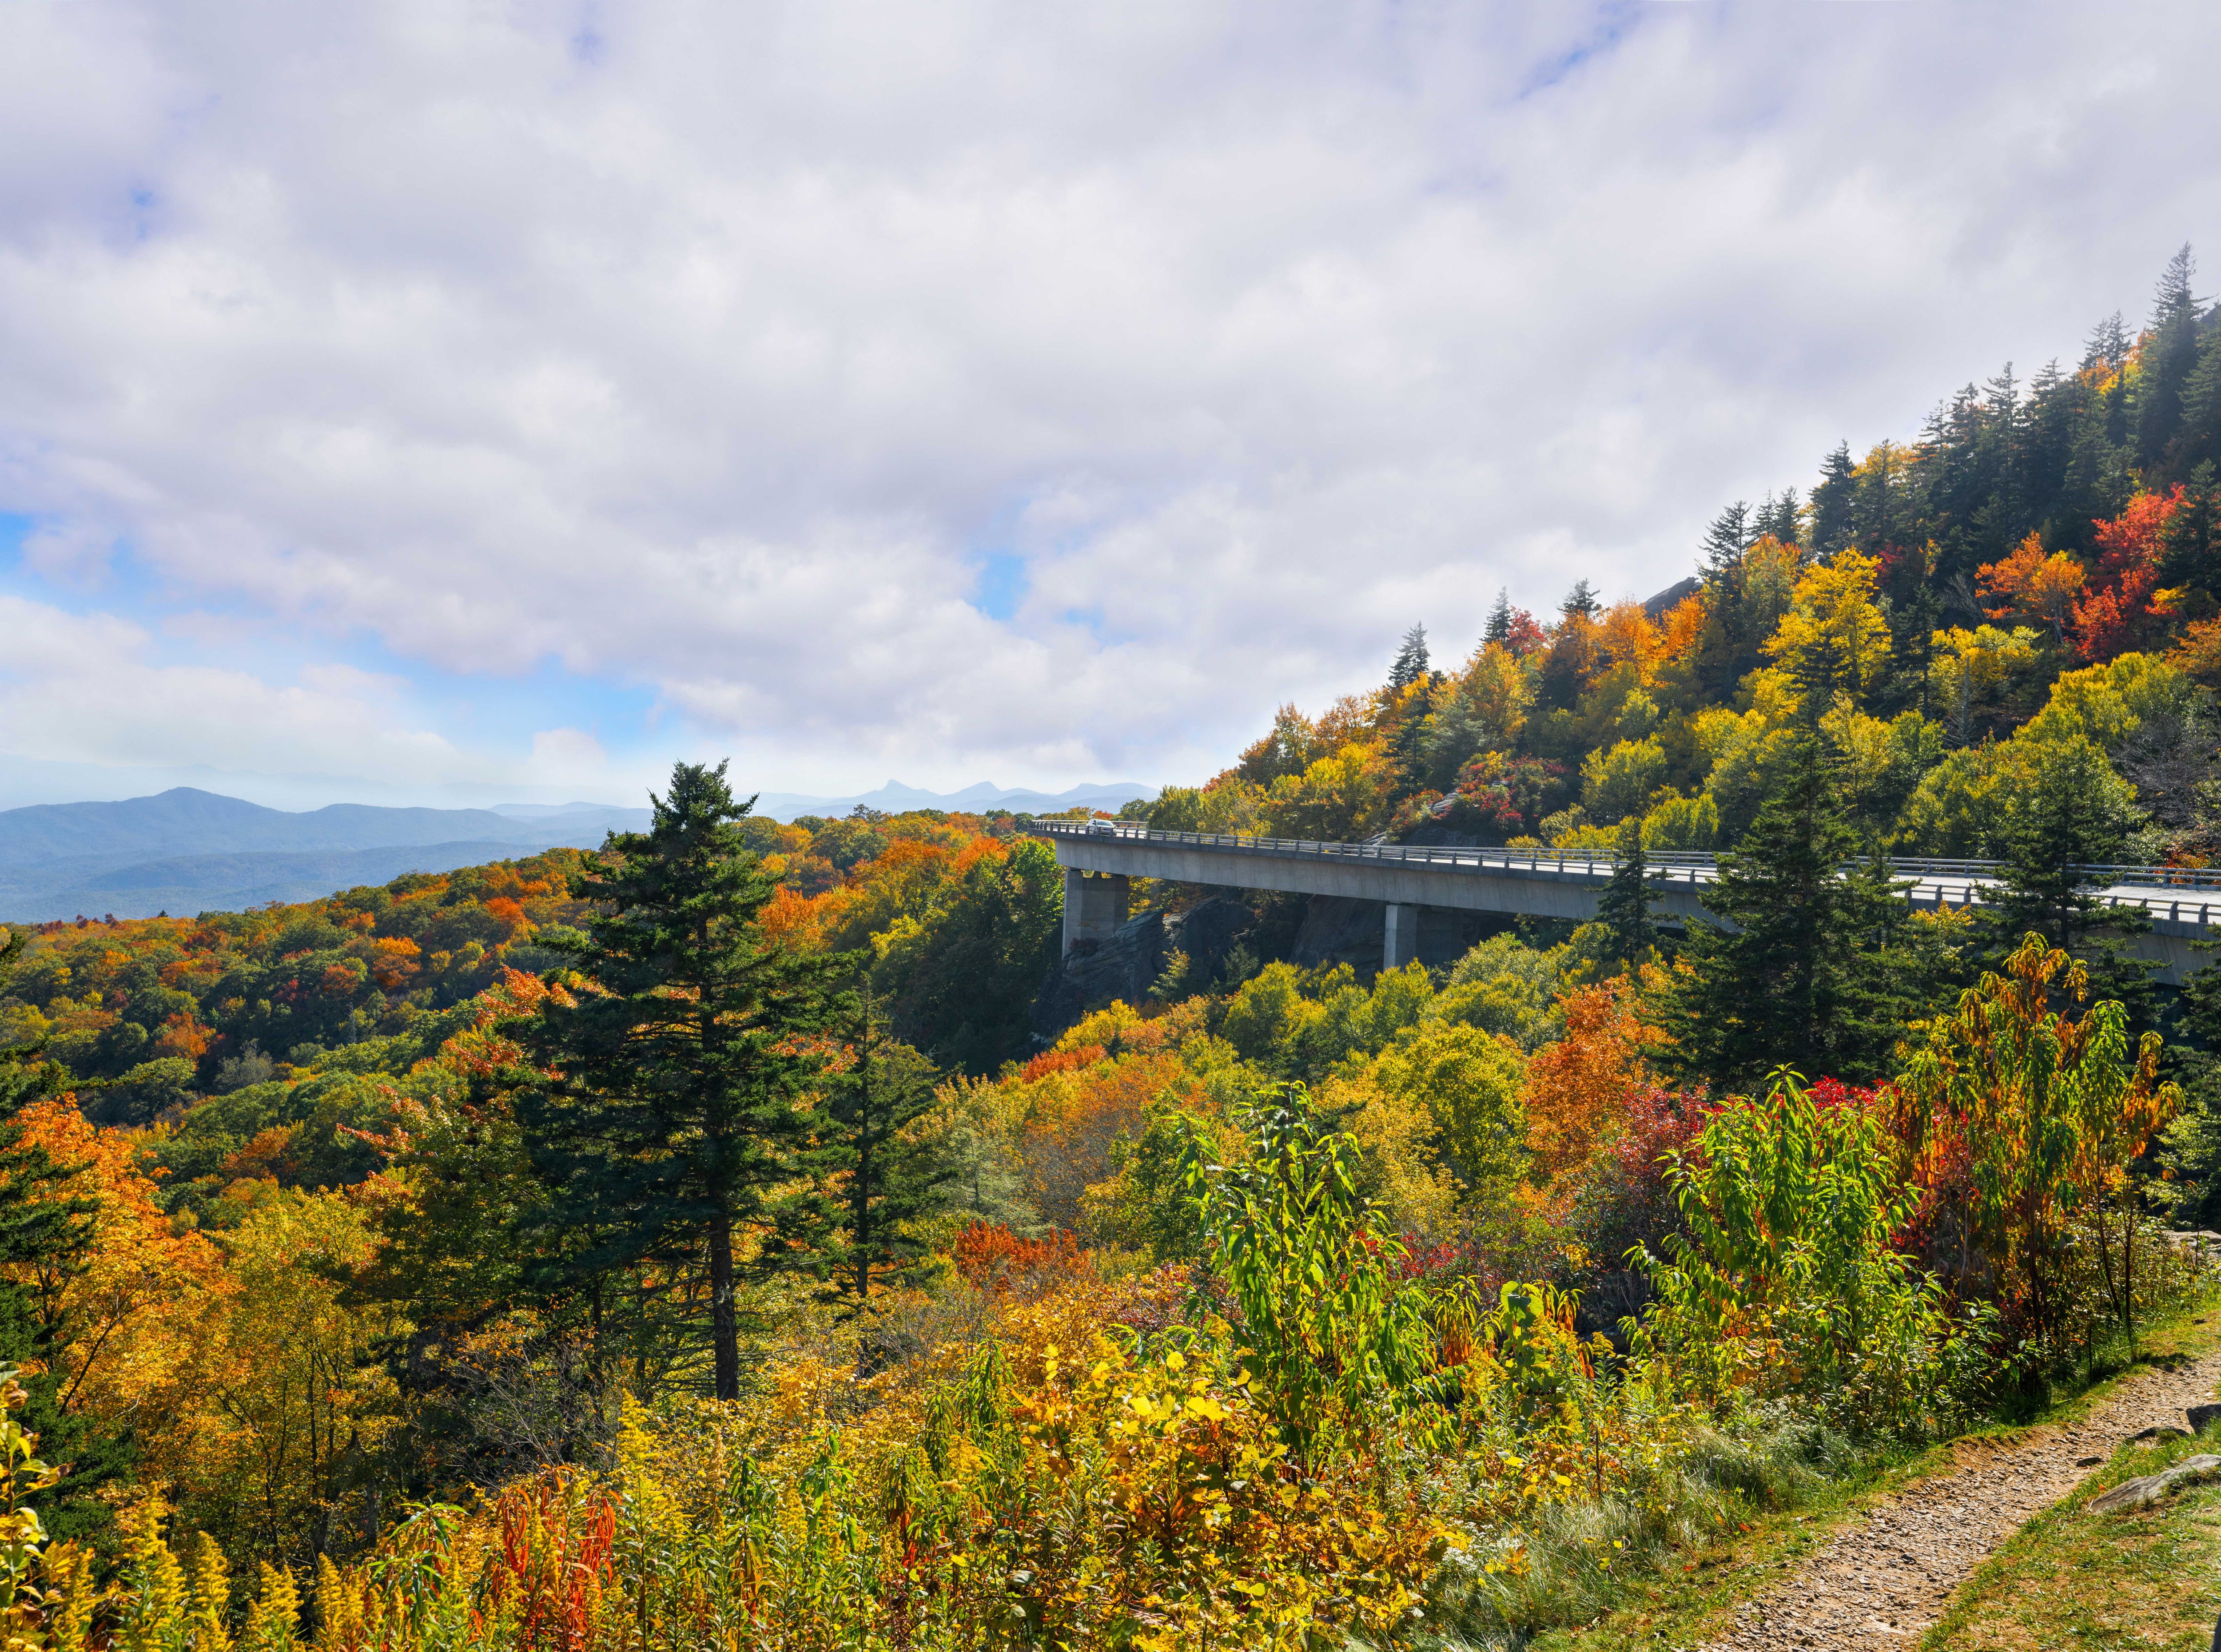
2051 542
723 1238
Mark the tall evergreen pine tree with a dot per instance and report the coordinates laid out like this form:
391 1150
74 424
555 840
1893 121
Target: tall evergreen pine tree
1623 909
1813 974
1725 541
2170 353
1831 502
888 1181
1411 659
1783 518
682 1062
1500 619
2074 815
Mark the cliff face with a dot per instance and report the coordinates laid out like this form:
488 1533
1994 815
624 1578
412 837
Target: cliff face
1338 930
1126 963
1123 966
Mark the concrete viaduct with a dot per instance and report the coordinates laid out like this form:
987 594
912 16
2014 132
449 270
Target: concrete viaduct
1101 857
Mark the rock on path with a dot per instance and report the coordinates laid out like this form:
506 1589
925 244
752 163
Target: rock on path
1884 1580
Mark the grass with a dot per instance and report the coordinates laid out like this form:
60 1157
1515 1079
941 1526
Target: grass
2070 1578
1671 1610
2147 1578
1697 1604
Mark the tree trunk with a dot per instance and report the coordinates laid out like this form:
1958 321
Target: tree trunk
862 1201
594 1365
724 1317
2105 1258
2129 1270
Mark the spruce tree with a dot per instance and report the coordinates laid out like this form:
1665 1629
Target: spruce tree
2191 542
1831 502
1783 518
1725 541
887 1180
668 1100
1623 909
2170 353
1581 602
2108 344
1411 659
1499 630
1814 972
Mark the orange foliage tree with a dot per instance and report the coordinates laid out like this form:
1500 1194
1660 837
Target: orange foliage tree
135 1308
1577 1092
1076 1116
2119 613
2036 588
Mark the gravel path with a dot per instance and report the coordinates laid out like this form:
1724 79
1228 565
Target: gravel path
1883 1580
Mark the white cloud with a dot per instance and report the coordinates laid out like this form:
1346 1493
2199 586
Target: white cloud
710 349
572 756
83 689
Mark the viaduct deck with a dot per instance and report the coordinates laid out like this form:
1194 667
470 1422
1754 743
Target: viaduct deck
2183 907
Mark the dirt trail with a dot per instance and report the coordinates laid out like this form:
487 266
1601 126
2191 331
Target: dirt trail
1885 1577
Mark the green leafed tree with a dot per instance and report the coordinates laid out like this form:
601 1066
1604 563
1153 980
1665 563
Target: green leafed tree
960 978
2077 811
671 1105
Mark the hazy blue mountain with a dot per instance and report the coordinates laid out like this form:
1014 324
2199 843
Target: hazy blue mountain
186 851
184 821
894 797
188 884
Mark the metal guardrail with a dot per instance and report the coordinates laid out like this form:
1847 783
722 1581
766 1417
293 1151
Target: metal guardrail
1694 863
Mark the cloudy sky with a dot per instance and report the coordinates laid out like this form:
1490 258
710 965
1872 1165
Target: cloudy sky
448 400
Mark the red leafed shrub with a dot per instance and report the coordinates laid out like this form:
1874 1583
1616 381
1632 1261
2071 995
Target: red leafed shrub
1834 1092
1060 1060
992 1258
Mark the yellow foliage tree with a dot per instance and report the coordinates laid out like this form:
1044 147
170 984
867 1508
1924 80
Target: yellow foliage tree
1834 640
301 1404
1338 799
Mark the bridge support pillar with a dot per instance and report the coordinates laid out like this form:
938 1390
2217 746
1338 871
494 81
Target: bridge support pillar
1402 940
1093 906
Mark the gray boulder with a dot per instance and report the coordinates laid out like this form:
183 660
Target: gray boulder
2149 1488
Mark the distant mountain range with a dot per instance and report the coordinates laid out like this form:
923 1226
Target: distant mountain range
894 797
186 851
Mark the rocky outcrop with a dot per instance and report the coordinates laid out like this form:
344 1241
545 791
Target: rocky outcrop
2149 1488
1126 966
1126 963
1657 607
1340 929
1207 932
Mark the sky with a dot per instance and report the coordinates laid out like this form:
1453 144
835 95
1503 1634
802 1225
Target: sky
458 400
